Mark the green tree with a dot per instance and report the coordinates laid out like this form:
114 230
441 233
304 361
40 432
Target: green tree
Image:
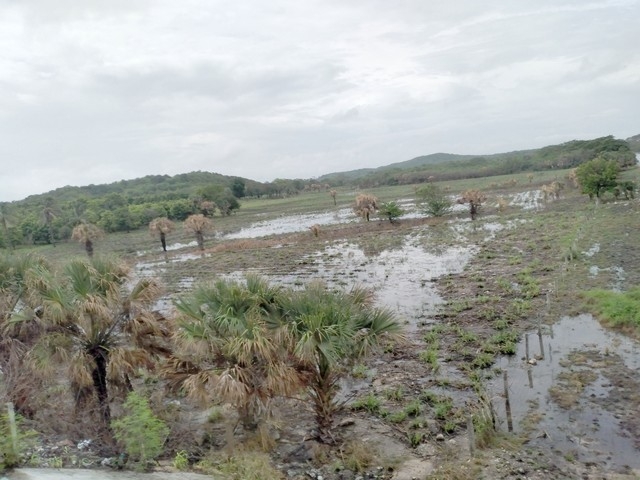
238 188
93 319
140 431
433 201
597 175
391 210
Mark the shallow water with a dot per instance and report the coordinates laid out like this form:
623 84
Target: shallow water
587 430
401 278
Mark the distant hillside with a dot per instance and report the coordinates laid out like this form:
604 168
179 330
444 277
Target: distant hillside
423 160
634 143
446 166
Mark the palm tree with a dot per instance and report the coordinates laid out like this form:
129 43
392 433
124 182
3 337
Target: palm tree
365 205
21 383
48 215
198 225
329 330
333 194
228 350
87 233
99 325
475 198
161 226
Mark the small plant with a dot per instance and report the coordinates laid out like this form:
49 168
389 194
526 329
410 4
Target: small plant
181 460
369 402
413 409
482 360
215 415
360 371
397 417
415 438
430 357
357 455
13 439
442 408
140 431
394 394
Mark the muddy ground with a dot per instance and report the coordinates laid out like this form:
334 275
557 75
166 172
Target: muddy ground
469 294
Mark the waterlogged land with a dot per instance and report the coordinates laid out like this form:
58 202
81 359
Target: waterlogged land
469 294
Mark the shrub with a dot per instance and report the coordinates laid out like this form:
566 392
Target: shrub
140 431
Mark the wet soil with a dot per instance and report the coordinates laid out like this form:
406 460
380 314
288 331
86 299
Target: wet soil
469 294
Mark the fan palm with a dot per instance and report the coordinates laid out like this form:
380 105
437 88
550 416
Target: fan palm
329 330
228 350
16 272
99 325
161 226
87 233
198 225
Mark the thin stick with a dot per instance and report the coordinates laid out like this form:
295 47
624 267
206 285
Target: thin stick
526 346
507 404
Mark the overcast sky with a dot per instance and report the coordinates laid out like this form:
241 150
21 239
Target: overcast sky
96 91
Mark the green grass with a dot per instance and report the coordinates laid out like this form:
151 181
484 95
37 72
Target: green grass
616 309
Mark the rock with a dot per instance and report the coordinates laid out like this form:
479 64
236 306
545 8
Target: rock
440 437
347 422
533 361
65 443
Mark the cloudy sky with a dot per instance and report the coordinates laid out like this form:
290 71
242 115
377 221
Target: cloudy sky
95 91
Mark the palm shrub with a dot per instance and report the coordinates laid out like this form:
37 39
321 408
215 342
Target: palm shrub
228 350
140 431
90 318
328 332
87 234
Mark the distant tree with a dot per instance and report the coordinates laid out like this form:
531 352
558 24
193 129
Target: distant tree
333 194
6 235
391 210
161 226
433 201
207 208
87 233
238 188
48 215
365 205
474 198
198 225
597 175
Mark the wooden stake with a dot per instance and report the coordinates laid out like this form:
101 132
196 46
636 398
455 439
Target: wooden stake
470 432
507 404
540 341
526 346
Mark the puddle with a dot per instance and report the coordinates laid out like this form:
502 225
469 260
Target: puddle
293 223
401 278
595 248
529 200
173 246
617 273
592 427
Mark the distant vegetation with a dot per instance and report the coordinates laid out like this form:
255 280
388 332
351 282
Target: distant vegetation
132 204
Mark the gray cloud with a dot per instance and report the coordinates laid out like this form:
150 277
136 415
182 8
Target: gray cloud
98 91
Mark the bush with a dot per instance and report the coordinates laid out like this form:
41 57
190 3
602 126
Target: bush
140 431
433 200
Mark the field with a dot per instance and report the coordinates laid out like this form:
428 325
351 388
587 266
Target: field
502 294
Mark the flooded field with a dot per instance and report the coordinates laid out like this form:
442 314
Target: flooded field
571 391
